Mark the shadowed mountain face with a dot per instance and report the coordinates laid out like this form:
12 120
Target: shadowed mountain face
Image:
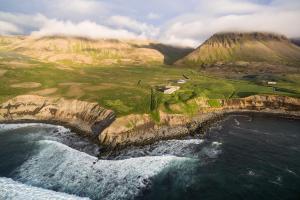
243 49
171 53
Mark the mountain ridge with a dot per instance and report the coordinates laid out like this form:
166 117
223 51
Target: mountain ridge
234 47
82 50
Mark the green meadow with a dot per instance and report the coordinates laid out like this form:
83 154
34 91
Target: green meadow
127 89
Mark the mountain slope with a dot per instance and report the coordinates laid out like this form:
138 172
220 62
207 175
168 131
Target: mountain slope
76 50
234 48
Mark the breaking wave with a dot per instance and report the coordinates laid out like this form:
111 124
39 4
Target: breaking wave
235 157
199 149
10 189
7 127
60 168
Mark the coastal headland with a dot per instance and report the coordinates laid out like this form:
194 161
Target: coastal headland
91 120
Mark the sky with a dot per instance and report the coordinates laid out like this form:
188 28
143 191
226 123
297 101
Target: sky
177 22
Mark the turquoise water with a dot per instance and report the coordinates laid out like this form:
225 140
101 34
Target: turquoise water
243 157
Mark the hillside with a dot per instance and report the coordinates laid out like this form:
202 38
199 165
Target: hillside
60 67
75 50
242 49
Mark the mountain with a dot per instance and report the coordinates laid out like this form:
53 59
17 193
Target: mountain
242 49
77 50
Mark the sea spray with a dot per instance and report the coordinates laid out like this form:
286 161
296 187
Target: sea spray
60 168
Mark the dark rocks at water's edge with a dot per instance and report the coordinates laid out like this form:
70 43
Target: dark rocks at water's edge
196 127
118 135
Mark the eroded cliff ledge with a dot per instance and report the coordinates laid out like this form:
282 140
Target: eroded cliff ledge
89 118
140 129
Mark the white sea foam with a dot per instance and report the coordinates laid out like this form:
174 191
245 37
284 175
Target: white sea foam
181 148
7 127
39 131
12 190
64 169
291 172
216 144
251 173
213 150
237 122
175 146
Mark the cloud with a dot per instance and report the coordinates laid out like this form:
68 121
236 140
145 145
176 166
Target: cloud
39 25
229 7
82 29
141 28
78 6
23 23
153 16
7 28
170 21
194 28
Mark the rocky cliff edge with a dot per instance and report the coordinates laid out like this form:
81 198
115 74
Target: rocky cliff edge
89 118
140 129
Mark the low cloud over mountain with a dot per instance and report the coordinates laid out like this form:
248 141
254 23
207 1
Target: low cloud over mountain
172 21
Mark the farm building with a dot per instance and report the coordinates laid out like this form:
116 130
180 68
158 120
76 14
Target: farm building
168 89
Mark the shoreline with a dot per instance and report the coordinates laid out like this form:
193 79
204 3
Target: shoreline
113 134
73 129
200 127
194 127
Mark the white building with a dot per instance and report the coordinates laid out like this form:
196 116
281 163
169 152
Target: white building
181 81
171 89
272 83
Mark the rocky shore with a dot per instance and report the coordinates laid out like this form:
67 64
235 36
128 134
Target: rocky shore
95 121
87 118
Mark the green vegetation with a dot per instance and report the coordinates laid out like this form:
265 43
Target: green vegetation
128 89
215 103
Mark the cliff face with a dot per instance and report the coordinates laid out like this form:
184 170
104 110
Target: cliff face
139 129
257 102
87 117
96 121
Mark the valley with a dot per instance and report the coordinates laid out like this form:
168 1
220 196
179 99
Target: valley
125 87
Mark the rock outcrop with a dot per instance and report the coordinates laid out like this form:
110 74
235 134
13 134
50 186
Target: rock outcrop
140 129
260 102
88 118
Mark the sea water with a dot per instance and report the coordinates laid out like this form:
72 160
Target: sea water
247 156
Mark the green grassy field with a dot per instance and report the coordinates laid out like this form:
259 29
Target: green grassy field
126 89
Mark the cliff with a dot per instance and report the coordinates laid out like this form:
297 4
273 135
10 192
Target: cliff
95 121
140 129
286 104
89 118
